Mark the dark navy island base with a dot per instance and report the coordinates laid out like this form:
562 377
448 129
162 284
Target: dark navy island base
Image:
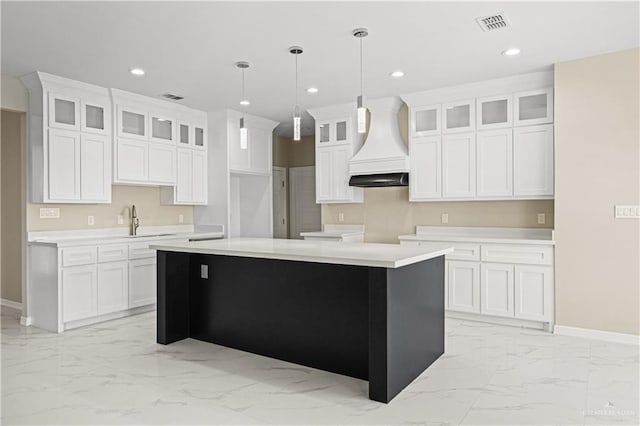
384 325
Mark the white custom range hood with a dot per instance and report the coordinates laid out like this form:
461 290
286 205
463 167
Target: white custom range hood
383 159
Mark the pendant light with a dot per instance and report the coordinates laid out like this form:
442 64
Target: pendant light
296 50
361 33
244 102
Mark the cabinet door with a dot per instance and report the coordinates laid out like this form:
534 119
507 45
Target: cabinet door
142 282
534 292
64 165
459 165
184 192
238 157
132 122
64 112
340 173
534 107
113 287
324 133
79 292
533 160
95 168
426 168
458 116
162 163
199 136
496 285
132 161
425 121
494 112
162 128
95 116
323 175
495 163
464 286
185 136
259 150
199 177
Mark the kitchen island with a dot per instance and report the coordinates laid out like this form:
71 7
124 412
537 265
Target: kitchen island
370 311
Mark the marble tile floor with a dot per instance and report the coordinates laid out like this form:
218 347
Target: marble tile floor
115 373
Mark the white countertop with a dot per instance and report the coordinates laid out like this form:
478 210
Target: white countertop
358 254
336 231
481 235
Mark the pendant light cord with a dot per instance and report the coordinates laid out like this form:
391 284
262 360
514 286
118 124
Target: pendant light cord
243 97
296 55
361 69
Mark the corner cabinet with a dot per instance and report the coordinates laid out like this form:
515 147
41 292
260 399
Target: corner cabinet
70 140
336 143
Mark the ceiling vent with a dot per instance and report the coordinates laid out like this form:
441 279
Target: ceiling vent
493 22
173 97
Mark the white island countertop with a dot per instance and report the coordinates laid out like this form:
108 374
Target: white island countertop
358 254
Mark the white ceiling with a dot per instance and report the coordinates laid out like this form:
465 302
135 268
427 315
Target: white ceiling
189 49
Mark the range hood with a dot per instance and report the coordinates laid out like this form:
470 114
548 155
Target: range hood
383 159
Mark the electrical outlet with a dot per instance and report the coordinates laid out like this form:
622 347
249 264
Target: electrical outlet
340 217
204 271
542 219
627 212
180 218
444 218
90 220
49 213
120 219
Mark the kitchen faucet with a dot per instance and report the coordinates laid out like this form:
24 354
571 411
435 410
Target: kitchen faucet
135 222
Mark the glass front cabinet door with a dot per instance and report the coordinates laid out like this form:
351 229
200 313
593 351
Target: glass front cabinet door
425 121
494 112
458 116
64 112
132 123
533 107
96 117
185 138
199 136
162 128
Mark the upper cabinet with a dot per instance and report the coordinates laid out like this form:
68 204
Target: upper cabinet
70 141
534 107
497 145
336 143
132 122
255 158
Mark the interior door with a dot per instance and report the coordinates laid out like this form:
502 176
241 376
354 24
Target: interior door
304 212
280 188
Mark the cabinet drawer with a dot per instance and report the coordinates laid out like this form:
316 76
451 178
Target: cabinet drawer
79 256
140 251
112 253
463 251
531 255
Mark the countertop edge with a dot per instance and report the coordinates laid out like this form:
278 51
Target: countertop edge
491 240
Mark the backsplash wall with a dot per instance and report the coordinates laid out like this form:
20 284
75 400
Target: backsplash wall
145 198
387 213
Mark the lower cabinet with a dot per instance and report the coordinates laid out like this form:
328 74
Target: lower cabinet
496 288
113 287
534 292
142 282
464 286
79 292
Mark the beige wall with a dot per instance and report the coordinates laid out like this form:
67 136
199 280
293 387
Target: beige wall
387 213
146 199
12 124
13 94
288 153
597 147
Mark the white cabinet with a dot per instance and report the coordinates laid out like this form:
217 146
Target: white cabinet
199 136
132 122
256 157
425 156
64 165
459 165
463 281
533 107
496 289
533 161
425 121
142 282
534 292
162 128
162 164
191 179
95 167
79 292
458 116
335 131
494 112
132 161
64 111
495 163
332 174
95 115
113 287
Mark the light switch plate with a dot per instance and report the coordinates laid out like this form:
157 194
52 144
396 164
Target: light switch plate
180 218
204 271
340 217
444 218
120 219
49 213
542 219
90 220
627 212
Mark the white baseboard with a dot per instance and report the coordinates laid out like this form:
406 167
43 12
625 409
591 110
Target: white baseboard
513 322
11 304
607 336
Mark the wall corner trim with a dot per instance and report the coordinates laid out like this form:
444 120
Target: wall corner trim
607 336
11 304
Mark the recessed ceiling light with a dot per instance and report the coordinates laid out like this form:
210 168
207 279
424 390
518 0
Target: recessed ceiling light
312 90
245 102
397 74
136 71
511 52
